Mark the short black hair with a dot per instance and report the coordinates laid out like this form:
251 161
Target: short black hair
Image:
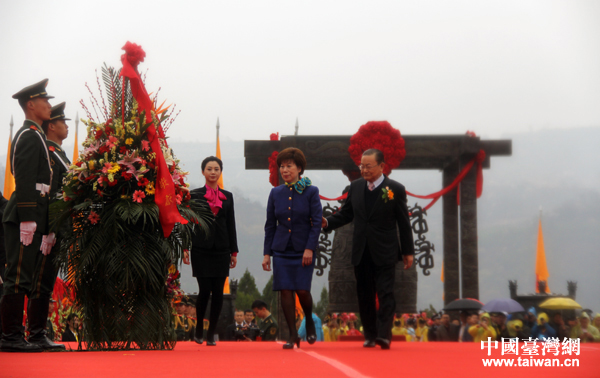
248 310
72 316
209 159
259 304
378 154
23 103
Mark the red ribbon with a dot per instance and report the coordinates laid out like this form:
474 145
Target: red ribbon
479 158
165 188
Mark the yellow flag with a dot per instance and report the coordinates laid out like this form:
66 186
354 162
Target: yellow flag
76 147
541 269
219 156
226 289
9 179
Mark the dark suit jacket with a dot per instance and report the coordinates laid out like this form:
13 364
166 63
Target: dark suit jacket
378 228
222 235
293 215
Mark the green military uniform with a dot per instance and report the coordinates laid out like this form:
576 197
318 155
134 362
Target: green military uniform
31 168
46 271
30 165
268 329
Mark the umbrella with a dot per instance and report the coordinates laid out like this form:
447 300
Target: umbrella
560 304
464 304
503 305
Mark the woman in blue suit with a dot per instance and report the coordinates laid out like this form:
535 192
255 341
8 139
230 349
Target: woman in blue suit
292 236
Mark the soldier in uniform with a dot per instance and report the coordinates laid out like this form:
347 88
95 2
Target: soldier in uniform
268 325
26 216
56 131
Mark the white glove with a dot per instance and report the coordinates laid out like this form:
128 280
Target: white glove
47 243
27 231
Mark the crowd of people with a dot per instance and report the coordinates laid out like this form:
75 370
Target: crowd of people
468 327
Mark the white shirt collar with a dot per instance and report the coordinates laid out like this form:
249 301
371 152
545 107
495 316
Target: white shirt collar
378 181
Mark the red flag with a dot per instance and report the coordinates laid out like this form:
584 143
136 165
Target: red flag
165 188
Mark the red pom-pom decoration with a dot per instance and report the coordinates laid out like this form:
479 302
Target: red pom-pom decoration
273 174
382 136
133 53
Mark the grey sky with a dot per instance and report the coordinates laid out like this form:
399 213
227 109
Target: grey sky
428 67
425 66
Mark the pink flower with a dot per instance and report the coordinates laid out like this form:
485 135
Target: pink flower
93 217
145 145
111 141
107 166
138 195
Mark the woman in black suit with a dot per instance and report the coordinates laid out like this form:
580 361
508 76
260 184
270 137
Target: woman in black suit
213 254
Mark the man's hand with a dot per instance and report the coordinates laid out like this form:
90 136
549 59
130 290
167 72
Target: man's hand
233 262
307 257
27 231
408 261
47 243
323 222
266 264
186 257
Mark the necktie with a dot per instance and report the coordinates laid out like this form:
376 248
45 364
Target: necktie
371 186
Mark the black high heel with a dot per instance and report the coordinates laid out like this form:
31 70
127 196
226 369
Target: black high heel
311 336
290 344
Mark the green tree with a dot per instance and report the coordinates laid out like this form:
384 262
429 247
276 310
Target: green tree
321 307
247 291
270 297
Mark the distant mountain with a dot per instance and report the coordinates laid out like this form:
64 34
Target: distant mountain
555 169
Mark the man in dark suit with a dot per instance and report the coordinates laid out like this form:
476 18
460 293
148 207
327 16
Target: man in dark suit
25 218
377 205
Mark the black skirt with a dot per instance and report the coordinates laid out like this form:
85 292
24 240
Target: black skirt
207 263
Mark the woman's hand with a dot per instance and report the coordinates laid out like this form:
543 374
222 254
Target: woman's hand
266 264
307 258
186 257
233 262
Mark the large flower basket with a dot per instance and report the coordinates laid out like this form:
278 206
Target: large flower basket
118 246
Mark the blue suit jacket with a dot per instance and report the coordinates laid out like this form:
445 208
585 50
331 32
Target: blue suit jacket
293 215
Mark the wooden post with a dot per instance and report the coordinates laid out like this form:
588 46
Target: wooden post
450 222
468 233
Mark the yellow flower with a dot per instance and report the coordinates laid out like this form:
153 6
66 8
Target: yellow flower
172 269
115 168
91 165
150 189
129 141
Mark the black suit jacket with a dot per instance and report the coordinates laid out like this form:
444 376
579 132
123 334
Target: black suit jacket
377 228
222 236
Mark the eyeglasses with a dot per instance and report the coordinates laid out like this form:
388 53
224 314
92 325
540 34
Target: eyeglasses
366 167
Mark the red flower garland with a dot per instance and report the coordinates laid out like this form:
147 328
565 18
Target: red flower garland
380 135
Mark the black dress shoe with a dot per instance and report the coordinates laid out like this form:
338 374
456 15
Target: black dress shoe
47 344
369 343
383 343
198 340
19 346
211 343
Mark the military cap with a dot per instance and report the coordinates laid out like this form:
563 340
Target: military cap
33 91
58 112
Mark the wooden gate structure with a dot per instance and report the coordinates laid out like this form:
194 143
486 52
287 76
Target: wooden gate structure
447 153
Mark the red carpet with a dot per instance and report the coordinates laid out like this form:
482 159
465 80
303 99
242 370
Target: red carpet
331 360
